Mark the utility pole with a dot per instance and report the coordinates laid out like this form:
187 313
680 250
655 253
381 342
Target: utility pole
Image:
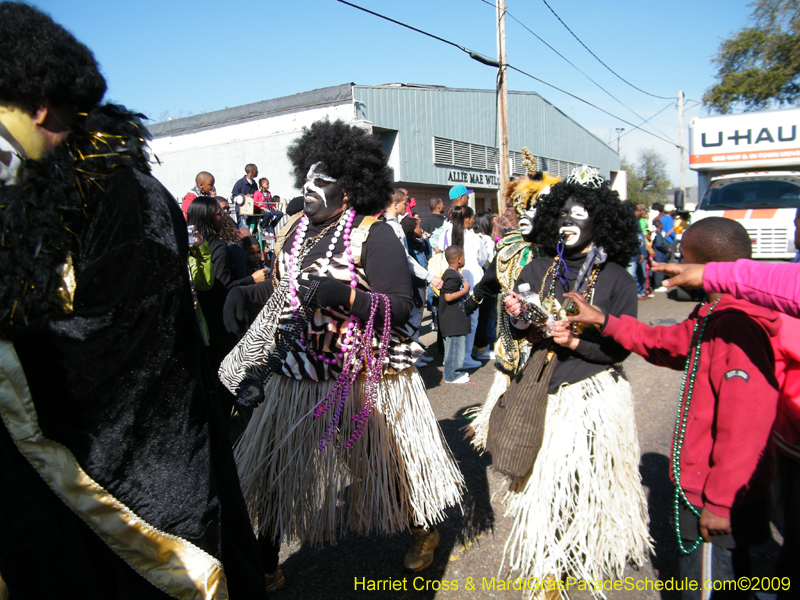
502 102
619 131
680 126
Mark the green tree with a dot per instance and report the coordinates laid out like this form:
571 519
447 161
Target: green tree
760 65
647 178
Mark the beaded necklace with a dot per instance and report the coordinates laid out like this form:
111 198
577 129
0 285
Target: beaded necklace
689 373
548 301
295 262
358 351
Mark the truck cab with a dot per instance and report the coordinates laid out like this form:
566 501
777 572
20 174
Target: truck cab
748 169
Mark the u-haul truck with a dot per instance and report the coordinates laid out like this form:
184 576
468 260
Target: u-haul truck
748 170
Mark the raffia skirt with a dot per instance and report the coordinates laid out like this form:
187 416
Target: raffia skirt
399 473
582 511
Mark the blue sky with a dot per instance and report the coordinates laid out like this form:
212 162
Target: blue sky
187 57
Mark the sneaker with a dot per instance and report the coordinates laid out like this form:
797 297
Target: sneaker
275 581
461 378
423 542
660 289
484 354
471 363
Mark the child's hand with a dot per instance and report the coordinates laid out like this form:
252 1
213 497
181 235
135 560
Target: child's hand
588 313
563 336
711 524
512 304
466 284
689 276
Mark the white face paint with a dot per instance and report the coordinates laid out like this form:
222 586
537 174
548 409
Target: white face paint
573 234
579 213
314 174
526 221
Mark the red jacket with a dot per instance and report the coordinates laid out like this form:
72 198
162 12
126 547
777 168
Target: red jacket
727 458
775 285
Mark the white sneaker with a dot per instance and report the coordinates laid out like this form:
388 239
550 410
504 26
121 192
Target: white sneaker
660 289
471 363
463 378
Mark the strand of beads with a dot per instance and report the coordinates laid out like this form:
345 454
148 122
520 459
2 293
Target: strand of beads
345 225
374 363
294 264
357 351
689 374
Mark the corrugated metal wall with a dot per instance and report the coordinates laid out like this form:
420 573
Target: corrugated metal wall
419 113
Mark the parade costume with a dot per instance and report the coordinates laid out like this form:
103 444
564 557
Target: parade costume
115 471
345 439
514 251
577 505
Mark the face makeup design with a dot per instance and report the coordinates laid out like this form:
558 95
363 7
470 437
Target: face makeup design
310 187
323 197
526 221
574 221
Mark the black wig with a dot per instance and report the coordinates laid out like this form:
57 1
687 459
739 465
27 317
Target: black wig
350 155
43 62
614 226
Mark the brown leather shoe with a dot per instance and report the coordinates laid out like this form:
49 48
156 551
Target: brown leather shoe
275 581
423 542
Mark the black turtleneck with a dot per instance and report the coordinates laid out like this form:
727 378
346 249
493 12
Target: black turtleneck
615 294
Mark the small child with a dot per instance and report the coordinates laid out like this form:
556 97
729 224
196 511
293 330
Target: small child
453 321
722 454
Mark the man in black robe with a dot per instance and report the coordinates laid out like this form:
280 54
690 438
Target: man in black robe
116 477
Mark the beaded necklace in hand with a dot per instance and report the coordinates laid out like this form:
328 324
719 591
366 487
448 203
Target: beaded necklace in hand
689 373
548 301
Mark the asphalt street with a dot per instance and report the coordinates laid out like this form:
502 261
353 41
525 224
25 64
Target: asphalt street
472 539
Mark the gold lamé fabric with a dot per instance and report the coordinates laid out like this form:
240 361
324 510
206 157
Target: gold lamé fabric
172 564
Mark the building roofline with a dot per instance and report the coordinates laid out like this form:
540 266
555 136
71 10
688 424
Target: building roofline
329 95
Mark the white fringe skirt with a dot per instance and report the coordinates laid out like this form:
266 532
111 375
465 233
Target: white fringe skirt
582 511
399 473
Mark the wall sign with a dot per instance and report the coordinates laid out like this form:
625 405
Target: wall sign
473 178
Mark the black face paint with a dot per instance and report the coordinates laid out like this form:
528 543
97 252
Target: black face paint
574 221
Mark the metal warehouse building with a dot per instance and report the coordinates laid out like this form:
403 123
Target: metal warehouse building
435 137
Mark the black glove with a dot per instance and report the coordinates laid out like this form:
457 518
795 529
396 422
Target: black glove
234 313
250 394
331 292
471 305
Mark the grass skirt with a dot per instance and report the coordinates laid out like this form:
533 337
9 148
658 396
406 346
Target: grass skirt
480 414
399 473
582 511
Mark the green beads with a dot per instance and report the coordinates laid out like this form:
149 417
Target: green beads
689 373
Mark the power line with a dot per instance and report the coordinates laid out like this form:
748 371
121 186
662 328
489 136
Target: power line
486 60
573 65
598 58
653 117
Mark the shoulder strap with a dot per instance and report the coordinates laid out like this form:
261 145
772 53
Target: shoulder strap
358 236
285 232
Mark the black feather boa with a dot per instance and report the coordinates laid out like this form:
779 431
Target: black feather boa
44 213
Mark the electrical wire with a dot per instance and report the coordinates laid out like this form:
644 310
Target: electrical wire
487 60
573 65
653 117
598 58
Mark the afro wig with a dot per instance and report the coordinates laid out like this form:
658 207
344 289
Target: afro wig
614 226
350 155
43 62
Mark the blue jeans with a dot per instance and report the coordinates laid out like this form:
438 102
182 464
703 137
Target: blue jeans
453 355
637 271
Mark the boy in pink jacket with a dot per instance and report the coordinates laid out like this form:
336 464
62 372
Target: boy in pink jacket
722 454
